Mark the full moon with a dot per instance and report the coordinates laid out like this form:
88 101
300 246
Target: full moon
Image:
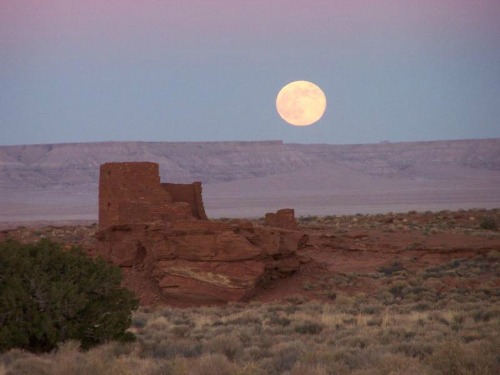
301 103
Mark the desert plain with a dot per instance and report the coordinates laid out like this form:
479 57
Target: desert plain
403 278
393 293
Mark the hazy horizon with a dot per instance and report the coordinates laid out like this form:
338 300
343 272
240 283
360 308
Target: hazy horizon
198 71
248 141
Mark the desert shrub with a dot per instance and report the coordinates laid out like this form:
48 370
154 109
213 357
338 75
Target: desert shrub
488 223
283 357
416 349
212 364
356 358
162 347
397 363
181 330
31 365
68 359
398 289
308 219
309 327
422 306
139 320
371 309
456 359
229 346
245 318
277 320
310 369
391 269
486 315
48 295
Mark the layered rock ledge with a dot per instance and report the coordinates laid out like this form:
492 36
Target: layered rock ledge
203 262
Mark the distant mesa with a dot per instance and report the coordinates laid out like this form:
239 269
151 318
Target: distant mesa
161 234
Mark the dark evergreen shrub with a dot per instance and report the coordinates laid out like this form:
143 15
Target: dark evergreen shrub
488 223
48 295
309 327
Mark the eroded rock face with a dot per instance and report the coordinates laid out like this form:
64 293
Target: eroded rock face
203 262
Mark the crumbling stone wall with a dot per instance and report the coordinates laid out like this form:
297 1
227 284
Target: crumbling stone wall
190 193
131 193
284 218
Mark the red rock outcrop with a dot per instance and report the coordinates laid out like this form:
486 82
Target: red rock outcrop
158 229
284 218
203 262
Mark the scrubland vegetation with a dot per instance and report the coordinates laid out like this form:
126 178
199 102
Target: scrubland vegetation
355 335
440 319
406 328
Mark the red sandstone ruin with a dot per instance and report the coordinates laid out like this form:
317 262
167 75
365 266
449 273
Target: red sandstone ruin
131 193
160 233
284 218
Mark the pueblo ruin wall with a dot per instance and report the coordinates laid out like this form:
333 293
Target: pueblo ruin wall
189 193
284 218
131 193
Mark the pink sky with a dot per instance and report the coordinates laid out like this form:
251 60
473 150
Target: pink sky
115 21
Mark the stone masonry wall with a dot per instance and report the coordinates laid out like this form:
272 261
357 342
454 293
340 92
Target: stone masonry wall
130 193
190 193
284 218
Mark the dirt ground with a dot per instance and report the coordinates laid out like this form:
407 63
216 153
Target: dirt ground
355 254
349 255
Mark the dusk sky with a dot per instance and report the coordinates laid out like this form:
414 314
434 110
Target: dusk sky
210 70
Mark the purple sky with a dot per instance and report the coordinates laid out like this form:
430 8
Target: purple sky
200 70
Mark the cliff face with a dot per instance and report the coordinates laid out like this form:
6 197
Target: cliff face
310 178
